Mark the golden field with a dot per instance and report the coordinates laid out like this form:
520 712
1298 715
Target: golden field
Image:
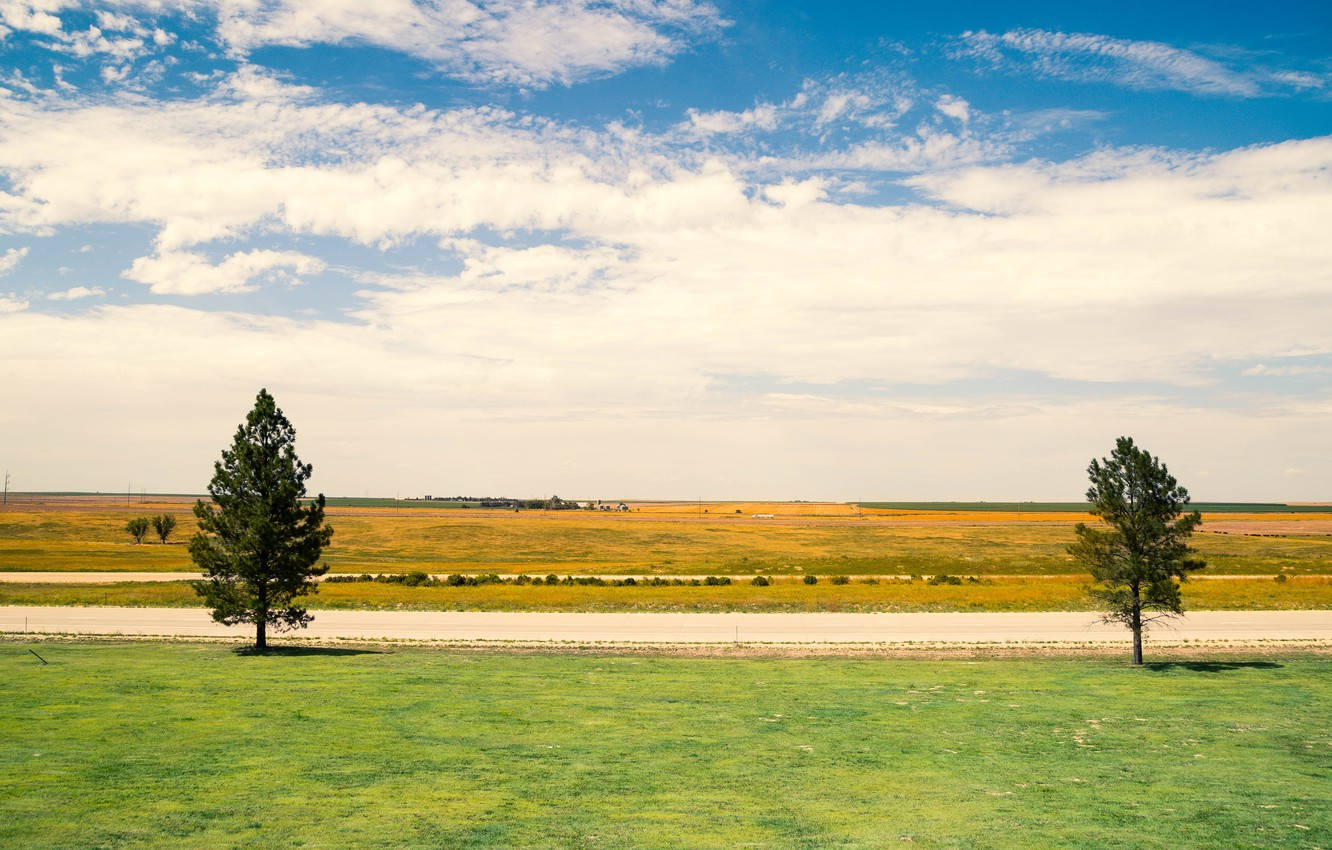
1003 593
661 538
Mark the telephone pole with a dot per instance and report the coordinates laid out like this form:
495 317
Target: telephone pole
6 498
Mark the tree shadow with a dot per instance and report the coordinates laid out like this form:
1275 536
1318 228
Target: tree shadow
1211 666
297 651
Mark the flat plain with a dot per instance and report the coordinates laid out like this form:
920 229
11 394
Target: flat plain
1012 559
664 539
186 745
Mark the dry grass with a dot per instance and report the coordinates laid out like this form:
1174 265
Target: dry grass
1055 593
90 537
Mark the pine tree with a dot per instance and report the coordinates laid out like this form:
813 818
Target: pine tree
257 544
1138 557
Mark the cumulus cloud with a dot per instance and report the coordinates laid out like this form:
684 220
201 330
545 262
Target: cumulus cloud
188 273
75 293
763 116
11 303
1090 57
511 42
10 260
604 274
1263 370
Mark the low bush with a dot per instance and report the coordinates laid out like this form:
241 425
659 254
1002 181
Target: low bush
945 578
811 579
717 581
759 581
841 580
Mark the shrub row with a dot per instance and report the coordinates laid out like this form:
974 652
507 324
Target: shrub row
420 579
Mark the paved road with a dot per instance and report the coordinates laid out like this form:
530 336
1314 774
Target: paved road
685 628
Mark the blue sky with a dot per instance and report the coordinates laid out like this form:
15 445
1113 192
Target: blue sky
669 248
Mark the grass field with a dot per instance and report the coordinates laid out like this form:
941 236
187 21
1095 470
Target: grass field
667 539
1056 593
195 746
1081 507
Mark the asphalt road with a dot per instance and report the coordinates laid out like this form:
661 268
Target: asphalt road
686 628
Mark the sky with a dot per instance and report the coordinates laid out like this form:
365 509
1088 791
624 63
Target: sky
668 248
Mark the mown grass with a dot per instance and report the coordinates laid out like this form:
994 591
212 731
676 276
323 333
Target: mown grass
1058 593
369 540
196 746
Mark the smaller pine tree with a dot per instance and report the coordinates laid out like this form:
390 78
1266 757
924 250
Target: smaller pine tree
1140 551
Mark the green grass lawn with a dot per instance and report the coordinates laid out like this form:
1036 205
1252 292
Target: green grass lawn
181 745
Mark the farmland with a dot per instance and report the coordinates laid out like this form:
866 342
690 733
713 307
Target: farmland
186 745
1002 593
667 539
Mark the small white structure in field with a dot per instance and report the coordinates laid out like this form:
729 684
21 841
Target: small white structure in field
764 516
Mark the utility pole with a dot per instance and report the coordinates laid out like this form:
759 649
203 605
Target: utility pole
6 498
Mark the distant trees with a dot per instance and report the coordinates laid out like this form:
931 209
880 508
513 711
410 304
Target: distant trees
164 524
258 544
138 528
1141 549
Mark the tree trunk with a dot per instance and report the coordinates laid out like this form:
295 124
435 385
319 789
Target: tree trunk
261 618
1137 628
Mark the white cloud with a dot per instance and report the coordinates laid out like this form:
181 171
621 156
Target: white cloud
11 303
74 293
515 42
1263 370
954 107
10 260
506 41
1092 57
187 273
763 116
606 277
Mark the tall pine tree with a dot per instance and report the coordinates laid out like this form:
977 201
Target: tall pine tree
258 545
1142 548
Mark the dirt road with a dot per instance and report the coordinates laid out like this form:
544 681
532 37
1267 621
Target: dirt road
686 628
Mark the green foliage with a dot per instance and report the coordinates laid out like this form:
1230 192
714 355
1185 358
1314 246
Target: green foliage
258 544
164 524
945 578
1142 549
811 579
759 581
841 579
137 528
